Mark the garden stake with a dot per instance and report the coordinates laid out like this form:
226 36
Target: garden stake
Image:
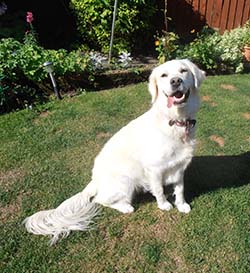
112 31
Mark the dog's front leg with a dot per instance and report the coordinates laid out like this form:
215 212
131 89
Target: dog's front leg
180 202
157 190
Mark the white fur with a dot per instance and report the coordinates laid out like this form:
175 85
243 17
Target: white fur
147 154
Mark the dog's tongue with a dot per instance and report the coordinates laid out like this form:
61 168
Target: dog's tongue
170 101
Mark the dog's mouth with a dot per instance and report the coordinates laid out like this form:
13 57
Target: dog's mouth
177 98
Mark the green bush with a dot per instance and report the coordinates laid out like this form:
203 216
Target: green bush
232 44
219 53
23 79
213 52
25 60
204 50
95 19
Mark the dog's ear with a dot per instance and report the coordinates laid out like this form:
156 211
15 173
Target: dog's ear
152 86
199 75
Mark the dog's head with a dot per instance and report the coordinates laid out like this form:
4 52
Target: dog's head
175 81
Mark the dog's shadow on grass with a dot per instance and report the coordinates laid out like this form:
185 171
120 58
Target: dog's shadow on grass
209 173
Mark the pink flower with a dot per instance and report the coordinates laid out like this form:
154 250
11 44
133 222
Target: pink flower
29 17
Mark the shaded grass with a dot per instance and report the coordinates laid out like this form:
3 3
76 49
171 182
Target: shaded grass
47 155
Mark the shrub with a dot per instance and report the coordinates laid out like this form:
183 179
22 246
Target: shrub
204 50
8 60
219 53
23 79
211 51
232 44
25 60
95 20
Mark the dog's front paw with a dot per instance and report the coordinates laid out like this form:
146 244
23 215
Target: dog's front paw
185 208
165 206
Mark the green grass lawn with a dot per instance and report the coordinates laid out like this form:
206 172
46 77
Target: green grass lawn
46 155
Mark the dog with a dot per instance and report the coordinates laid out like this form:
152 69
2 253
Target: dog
149 153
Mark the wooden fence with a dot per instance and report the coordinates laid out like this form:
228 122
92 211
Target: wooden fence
218 14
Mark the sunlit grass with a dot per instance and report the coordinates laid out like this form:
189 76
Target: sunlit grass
46 155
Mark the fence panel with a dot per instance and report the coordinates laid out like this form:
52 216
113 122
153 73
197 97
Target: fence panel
218 14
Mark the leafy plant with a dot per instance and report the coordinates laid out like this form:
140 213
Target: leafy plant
22 66
95 19
246 33
166 46
215 52
26 60
204 50
232 44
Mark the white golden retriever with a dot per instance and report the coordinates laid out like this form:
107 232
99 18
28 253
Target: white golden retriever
149 153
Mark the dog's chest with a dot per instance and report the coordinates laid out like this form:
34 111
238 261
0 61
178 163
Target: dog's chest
169 152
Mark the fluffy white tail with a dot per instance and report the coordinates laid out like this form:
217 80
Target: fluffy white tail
75 213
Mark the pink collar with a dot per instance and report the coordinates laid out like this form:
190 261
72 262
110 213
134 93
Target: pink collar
188 124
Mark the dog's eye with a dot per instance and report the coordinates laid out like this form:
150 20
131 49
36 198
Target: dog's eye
183 70
164 75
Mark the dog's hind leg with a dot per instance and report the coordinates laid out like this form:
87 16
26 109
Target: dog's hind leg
117 194
123 207
118 202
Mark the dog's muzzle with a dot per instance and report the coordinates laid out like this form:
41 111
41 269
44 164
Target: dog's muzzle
177 98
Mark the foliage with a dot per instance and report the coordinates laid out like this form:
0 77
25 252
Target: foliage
22 67
26 60
166 46
204 50
95 20
245 34
213 52
232 44
218 53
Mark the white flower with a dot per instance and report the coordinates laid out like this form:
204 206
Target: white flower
3 8
97 59
125 59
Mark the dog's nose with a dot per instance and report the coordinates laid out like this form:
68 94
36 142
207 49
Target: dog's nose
175 82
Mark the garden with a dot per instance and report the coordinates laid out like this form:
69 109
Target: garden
48 147
86 65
